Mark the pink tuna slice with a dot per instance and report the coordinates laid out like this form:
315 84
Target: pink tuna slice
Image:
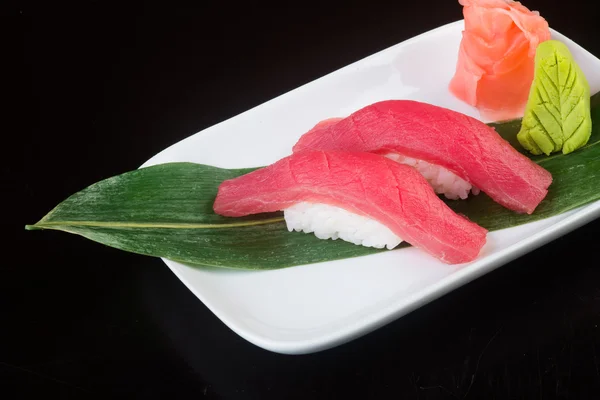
366 184
465 146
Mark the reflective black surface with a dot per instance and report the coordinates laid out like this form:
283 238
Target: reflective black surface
99 89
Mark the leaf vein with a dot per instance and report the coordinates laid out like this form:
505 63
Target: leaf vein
150 225
550 81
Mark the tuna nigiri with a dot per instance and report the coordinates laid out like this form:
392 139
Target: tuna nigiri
496 56
362 198
455 153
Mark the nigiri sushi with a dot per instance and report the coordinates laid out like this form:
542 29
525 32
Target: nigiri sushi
457 154
361 198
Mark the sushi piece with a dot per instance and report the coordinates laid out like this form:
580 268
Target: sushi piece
496 56
362 198
455 153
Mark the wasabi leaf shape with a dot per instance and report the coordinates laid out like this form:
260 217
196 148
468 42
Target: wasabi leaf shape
557 116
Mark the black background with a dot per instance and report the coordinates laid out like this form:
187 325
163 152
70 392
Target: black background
95 89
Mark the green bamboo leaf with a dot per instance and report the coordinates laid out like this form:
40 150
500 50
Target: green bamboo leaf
166 211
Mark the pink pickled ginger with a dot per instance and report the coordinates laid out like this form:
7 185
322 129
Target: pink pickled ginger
496 56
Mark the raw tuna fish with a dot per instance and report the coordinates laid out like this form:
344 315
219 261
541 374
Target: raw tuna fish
465 146
364 184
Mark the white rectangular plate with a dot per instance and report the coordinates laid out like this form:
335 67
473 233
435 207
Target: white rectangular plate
314 307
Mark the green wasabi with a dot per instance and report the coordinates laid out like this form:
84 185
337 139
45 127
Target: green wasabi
557 116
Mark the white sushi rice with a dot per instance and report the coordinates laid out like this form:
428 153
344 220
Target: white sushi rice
442 180
331 222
